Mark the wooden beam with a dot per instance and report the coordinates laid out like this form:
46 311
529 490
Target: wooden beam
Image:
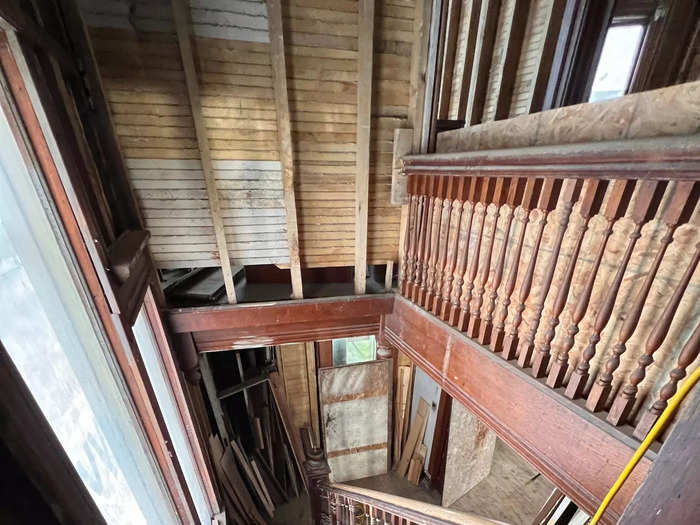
453 19
511 59
472 31
523 412
486 35
365 47
284 130
546 57
243 316
183 28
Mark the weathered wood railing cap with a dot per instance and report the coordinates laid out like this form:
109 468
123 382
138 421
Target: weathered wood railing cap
665 158
415 511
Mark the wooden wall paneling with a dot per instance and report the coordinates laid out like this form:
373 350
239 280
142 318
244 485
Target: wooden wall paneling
325 354
546 57
183 27
365 46
509 64
488 21
279 78
454 17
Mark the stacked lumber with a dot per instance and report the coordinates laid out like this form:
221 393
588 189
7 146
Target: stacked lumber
414 451
257 479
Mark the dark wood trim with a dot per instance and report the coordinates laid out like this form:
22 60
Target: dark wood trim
277 334
581 38
324 353
248 316
664 158
670 491
541 425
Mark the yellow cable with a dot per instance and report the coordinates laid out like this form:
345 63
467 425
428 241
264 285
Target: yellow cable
651 436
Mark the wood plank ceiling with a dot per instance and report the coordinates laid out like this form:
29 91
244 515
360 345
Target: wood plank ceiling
333 140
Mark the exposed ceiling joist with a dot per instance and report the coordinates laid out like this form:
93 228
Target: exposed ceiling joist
279 81
183 28
365 46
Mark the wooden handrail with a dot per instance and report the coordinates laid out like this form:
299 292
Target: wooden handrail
344 499
559 265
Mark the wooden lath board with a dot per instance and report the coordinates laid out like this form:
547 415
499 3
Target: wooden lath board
184 40
364 113
279 73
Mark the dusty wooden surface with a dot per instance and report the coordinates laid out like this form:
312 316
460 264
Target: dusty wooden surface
355 410
469 454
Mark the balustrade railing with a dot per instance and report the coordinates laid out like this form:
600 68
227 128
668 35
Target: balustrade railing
340 504
580 270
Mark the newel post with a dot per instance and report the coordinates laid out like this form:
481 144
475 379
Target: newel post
316 469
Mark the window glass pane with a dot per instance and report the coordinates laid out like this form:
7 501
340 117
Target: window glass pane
150 355
617 61
54 341
351 350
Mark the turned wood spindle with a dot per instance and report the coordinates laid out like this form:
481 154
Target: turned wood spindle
408 238
442 301
616 207
424 241
500 196
569 195
436 290
432 246
660 330
590 205
688 355
413 252
515 197
487 189
677 212
647 202
529 201
465 231
547 201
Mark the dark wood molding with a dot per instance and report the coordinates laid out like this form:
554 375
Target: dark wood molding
316 312
538 423
664 158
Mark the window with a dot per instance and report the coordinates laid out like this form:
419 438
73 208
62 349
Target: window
54 340
351 350
617 61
